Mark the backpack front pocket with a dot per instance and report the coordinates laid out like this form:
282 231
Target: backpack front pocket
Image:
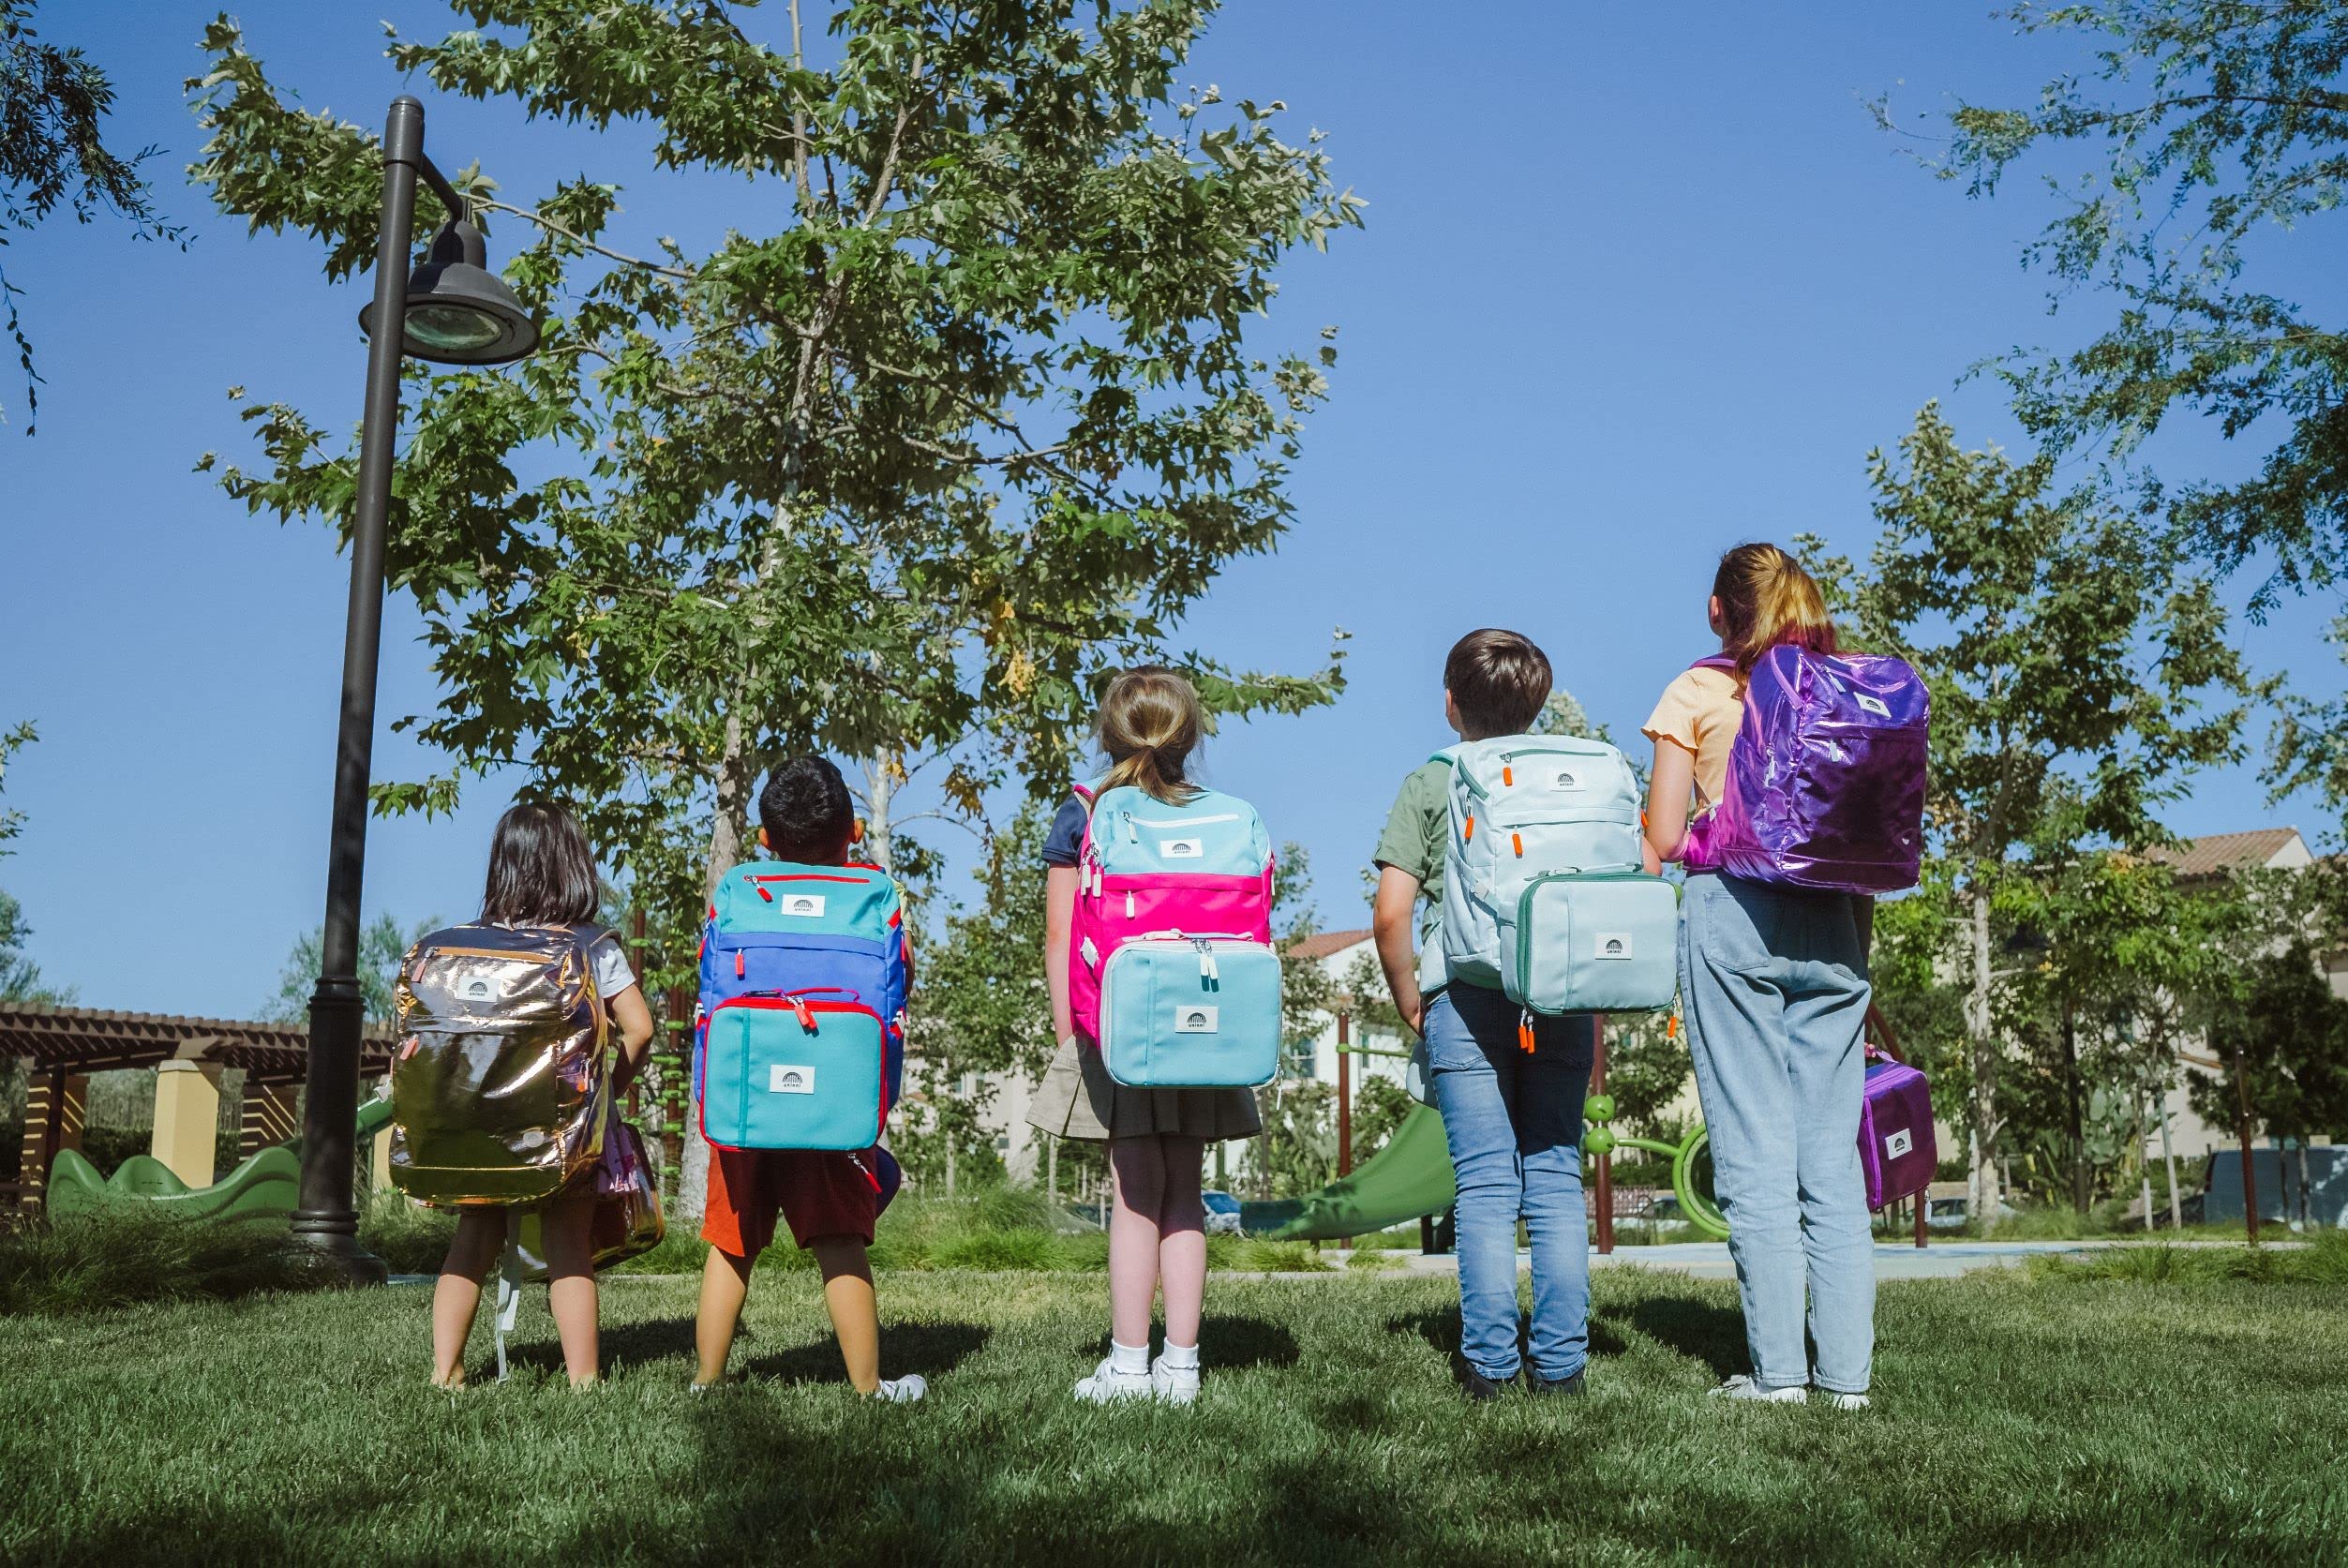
1597 942
1191 1013
782 1072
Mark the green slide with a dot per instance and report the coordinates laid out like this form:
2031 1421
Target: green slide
1410 1177
263 1186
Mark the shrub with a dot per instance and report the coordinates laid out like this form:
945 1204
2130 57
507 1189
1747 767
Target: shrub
407 1236
114 1258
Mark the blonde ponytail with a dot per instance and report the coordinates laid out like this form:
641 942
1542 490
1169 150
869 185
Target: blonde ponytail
1150 720
1767 598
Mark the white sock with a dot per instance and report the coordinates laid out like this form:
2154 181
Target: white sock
1181 1358
1130 1360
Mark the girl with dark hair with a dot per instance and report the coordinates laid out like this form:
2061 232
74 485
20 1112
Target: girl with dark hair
541 873
1774 987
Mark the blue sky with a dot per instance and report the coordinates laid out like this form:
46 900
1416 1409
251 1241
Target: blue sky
1639 283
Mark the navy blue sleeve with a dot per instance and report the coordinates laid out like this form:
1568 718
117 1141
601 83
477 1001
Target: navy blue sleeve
1066 839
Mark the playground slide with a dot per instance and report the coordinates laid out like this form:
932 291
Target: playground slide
1411 1176
262 1187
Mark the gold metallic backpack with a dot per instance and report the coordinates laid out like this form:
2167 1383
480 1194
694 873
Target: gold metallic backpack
502 1078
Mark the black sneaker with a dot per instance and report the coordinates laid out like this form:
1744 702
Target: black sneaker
1479 1388
1537 1384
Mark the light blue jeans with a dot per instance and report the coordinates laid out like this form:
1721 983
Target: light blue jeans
1774 985
1513 1120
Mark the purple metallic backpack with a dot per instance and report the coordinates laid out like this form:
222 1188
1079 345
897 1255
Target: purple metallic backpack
1826 779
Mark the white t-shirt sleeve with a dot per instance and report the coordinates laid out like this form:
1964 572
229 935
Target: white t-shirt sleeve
613 973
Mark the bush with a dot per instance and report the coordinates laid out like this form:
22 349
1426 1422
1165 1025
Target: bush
114 1258
411 1238
2324 1261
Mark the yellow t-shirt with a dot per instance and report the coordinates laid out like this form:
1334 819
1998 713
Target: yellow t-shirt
1699 712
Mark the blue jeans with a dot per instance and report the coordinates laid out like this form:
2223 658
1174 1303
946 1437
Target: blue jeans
1514 1123
1773 984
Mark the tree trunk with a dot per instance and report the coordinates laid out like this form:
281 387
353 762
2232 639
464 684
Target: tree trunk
737 773
1981 1194
2306 1209
2168 1157
1051 1169
880 788
949 1157
2080 1195
2143 1160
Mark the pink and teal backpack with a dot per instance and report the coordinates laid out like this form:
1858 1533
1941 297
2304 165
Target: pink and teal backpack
1172 972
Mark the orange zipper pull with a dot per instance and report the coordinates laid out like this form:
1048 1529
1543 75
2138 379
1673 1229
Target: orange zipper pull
1524 1031
740 963
806 1014
1508 776
1518 840
1466 834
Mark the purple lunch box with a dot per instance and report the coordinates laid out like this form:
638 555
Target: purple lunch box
1898 1150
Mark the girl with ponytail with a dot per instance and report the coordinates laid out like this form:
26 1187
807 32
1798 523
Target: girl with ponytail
1149 725
1773 988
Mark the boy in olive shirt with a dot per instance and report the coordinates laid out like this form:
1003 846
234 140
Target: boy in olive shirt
1512 1117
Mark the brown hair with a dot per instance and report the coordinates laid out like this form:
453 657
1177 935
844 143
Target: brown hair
1767 598
541 871
1150 719
1498 680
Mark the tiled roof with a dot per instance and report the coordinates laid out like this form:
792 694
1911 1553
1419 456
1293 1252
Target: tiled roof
1321 944
92 1039
2217 852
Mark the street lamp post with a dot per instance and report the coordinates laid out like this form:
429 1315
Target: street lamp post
452 309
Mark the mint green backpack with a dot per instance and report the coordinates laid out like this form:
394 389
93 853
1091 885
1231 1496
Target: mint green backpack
1544 894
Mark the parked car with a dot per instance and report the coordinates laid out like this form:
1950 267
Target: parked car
1948 1213
1222 1214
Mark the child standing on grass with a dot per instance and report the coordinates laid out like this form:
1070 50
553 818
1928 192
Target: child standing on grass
1511 1118
831 1200
541 873
1773 984
1151 721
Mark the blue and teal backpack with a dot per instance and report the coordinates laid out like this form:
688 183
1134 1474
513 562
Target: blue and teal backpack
804 971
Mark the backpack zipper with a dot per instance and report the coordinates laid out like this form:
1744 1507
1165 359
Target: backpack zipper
1181 821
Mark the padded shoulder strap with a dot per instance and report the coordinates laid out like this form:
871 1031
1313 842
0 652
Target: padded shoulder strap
1448 756
1715 662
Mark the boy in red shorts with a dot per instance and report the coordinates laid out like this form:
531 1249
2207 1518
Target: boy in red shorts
830 1199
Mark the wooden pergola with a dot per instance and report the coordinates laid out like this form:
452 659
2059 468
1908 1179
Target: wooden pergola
62 1046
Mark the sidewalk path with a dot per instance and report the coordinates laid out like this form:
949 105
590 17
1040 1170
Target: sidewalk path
1709 1260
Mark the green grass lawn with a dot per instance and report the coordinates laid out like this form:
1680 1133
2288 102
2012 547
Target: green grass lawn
2042 1417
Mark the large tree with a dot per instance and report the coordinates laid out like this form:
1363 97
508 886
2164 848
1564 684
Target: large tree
964 408
53 103
2072 669
2215 135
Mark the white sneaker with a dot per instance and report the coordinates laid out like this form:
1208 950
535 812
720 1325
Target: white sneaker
1742 1387
901 1391
1174 1385
1107 1384
1845 1401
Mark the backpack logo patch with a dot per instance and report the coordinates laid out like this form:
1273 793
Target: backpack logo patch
1611 944
1871 704
476 990
805 905
788 1078
1569 779
1197 1020
1899 1143
1181 849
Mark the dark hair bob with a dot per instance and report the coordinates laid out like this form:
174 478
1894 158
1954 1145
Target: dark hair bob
541 871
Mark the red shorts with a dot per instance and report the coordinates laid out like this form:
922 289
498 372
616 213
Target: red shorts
820 1193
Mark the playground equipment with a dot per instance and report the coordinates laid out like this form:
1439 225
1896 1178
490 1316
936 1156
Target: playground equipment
264 1186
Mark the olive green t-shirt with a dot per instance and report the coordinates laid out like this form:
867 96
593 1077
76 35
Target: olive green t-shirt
1418 835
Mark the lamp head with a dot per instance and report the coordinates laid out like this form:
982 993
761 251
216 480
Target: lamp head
459 311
